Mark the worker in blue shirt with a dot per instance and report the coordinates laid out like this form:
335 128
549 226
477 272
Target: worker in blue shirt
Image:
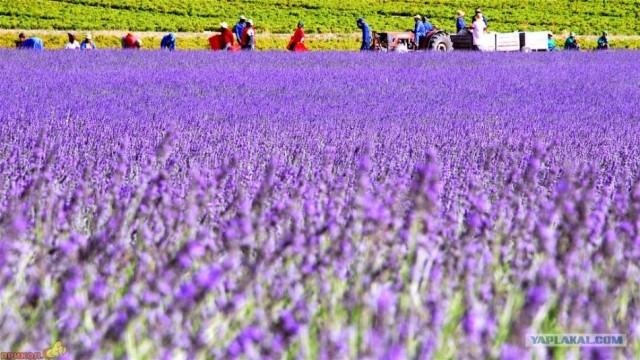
461 25
571 43
30 43
427 25
418 31
603 41
366 35
168 42
239 28
88 43
551 43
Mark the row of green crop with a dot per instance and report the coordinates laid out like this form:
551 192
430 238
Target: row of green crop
265 42
323 16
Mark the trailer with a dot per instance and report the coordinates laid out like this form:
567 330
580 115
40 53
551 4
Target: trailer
504 42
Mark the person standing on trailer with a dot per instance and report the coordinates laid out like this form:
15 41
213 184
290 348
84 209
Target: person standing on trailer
168 42
479 28
366 35
461 25
88 43
603 41
73 43
249 37
239 28
571 43
418 31
484 18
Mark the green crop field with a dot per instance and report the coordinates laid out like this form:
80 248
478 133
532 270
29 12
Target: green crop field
620 17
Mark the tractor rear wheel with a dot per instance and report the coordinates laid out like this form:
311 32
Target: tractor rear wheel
441 42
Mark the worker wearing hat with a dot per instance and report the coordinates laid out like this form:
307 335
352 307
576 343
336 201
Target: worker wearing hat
366 34
88 43
249 36
461 25
418 31
168 42
603 41
239 28
226 36
484 18
298 37
571 43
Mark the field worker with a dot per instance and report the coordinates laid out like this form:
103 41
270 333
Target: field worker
571 43
418 31
461 25
551 43
427 25
34 43
366 35
168 42
298 37
484 19
239 28
226 36
249 37
73 43
479 28
129 41
88 43
603 41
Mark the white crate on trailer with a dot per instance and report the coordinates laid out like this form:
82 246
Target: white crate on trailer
507 41
536 40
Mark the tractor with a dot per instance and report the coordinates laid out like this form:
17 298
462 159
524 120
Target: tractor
437 39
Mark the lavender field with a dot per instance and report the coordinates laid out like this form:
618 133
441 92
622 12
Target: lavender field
323 205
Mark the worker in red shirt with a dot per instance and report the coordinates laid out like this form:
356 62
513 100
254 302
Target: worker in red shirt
249 36
226 35
297 40
129 41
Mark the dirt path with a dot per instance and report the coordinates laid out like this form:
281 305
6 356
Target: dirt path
143 34
283 36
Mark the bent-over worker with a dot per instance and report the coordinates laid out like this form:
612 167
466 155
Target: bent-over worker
34 43
298 36
571 43
168 42
226 36
249 36
73 43
129 41
603 41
